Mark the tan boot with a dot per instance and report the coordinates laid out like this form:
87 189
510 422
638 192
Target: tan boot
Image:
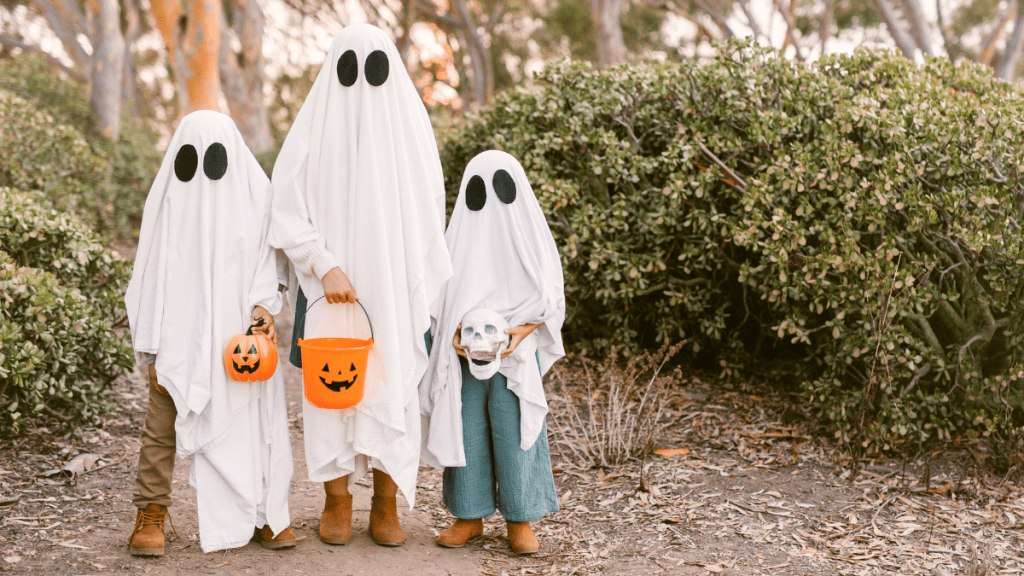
148 536
336 521
384 527
265 536
521 538
460 532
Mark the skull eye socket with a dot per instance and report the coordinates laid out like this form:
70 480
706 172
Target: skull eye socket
348 68
491 330
476 194
377 68
467 332
186 162
504 186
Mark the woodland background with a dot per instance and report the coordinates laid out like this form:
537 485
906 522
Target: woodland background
758 180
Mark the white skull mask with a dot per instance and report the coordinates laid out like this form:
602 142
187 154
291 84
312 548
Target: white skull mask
483 336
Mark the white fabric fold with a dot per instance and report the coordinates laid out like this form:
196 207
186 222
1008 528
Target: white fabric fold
360 170
203 263
504 259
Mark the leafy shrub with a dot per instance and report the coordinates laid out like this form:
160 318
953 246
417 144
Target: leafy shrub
49 143
60 303
40 154
861 212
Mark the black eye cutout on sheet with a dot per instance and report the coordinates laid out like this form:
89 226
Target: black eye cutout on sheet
377 68
476 193
348 68
186 162
215 161
504 186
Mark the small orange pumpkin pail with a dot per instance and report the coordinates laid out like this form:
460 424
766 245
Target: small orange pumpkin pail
334 369
250 357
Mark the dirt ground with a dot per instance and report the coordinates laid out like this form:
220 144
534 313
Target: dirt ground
741 486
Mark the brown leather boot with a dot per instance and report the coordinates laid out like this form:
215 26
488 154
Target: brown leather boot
460 532
521 538
148 536
336 521
384 527
265 536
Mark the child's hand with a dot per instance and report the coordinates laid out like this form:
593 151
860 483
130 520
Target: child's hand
263 322
457 342
518 334
337 287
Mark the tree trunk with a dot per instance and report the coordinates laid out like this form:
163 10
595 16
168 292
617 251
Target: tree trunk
479 55
1007 67
193 42
825 26
243 78
903 40
919 28
131 34
607 18
202 45
107 66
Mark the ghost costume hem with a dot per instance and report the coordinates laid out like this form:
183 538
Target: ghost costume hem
202 265
504 260
359 175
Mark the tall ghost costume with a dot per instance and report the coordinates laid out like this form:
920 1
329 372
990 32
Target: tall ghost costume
358 185
202 265
490 435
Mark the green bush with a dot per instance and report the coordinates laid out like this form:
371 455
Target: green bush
49 142
861 213
61 316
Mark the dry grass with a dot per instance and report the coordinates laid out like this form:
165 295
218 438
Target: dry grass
612 413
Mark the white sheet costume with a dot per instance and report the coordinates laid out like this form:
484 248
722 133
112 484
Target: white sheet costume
504 259
358 184
203 263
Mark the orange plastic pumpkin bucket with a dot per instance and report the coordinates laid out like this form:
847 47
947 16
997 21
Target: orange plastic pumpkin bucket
334 369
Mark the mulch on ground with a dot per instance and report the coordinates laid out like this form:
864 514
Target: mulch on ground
741 485
737 489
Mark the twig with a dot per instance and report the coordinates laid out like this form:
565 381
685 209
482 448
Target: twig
742 187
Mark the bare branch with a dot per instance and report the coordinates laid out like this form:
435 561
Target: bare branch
899 35
790 27
1007 68
14 43
745 6
989 46
67 22
918 25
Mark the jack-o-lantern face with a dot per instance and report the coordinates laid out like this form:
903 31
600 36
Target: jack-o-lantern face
245 361
336 380
250 357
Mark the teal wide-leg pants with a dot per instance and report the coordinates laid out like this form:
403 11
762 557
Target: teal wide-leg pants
498 473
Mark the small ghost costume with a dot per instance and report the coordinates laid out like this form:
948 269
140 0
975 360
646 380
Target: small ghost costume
358 184
202 265
505 260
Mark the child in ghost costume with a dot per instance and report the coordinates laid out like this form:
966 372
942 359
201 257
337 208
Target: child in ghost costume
358 209
489 435
204 272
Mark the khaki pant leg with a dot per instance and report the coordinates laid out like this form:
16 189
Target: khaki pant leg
156 457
